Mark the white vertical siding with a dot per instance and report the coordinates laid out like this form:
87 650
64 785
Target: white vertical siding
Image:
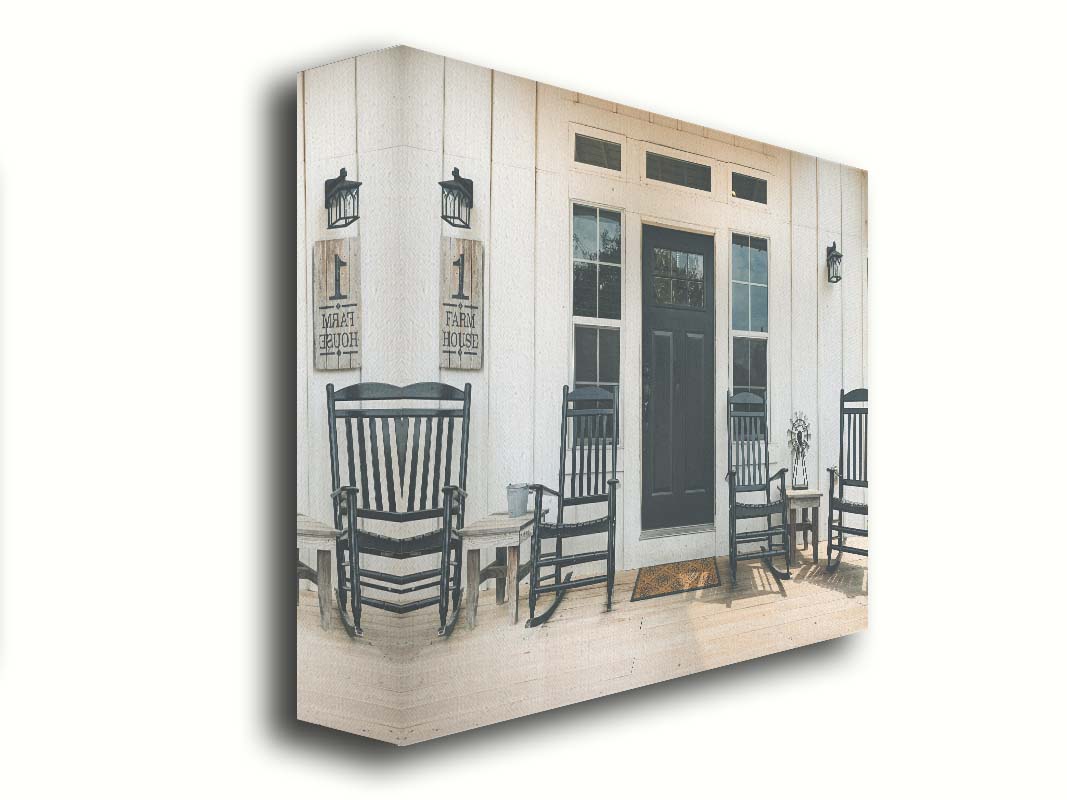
807 278
512 292
413 116
468 130
330 144
828 375
302 292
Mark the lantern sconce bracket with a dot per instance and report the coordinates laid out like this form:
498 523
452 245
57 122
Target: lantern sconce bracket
457 200
342 200
833 263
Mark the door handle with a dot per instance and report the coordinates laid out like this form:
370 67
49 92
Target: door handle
646 396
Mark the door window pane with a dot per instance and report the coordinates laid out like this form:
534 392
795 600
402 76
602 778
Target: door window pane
662 289
684 284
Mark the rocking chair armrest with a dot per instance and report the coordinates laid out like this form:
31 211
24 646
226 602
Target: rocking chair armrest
345 499
538 488
460 496
346 490
731 475
779 474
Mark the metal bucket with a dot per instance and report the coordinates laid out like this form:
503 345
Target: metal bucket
518 493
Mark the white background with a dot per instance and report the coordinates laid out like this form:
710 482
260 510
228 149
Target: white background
147 364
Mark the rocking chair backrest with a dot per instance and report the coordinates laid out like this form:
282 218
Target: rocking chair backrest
590 427
399 458
748 451
852 459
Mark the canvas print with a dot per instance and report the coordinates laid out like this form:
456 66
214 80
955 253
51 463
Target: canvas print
581 393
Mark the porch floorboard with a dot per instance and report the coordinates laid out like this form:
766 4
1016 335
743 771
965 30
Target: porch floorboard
403 684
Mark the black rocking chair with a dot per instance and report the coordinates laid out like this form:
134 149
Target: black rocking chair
409 453
749 471
592 414
851 470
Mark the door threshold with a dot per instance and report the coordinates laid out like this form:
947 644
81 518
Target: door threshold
681 530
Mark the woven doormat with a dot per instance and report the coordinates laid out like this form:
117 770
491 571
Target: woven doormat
681 576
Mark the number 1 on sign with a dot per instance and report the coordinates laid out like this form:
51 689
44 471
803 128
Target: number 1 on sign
337 264
459 295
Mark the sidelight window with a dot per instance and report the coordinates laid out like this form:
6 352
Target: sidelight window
597 296
597 251
749 313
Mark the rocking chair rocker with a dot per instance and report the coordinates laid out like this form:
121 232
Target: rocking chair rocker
592 414
421 488
851 470
749 471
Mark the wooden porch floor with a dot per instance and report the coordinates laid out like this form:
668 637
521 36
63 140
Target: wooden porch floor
403 684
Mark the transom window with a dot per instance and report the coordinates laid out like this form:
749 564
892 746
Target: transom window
748 187
678 278
748 313
598 152
597 238
659 167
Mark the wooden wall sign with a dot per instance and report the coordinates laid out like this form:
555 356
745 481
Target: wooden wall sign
462 328
335 278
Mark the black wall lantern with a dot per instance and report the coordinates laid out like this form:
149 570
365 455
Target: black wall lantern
342 200
833 263
457 200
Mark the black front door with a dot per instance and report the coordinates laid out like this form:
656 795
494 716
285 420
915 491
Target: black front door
677 274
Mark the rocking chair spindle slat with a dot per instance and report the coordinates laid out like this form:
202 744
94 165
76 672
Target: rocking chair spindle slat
362 440
448 454
425 466
437 463
351 457
574 444
372 424
414 461
583 443
387 444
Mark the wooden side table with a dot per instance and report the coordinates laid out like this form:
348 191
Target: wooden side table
804 499
506 533
323 539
